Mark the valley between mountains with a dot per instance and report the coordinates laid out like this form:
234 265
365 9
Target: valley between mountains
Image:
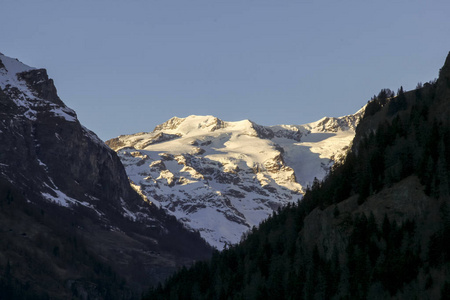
130 219
354 207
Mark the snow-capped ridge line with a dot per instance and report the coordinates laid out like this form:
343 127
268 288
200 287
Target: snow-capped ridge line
13 66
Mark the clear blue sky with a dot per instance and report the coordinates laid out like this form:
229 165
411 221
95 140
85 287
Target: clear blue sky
126 66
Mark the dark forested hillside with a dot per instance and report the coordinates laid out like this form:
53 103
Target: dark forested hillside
377 227
47 252
40 248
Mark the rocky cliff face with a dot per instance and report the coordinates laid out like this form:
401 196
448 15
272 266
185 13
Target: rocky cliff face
222 178
46 151
64 169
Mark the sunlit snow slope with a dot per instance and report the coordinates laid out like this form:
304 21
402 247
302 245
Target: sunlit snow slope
221 178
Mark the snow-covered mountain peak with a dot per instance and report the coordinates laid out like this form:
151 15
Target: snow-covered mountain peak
195 125
192 124
221 178
170 124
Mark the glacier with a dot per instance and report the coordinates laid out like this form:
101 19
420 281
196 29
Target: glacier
222 178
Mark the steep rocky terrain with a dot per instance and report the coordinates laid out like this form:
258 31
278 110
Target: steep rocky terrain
61 183
222 178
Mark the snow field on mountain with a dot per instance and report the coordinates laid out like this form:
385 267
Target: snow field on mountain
222 178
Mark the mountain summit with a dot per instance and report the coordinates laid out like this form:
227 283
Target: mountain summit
222 178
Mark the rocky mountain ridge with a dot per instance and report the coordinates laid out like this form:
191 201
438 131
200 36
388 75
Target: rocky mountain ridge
222 178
